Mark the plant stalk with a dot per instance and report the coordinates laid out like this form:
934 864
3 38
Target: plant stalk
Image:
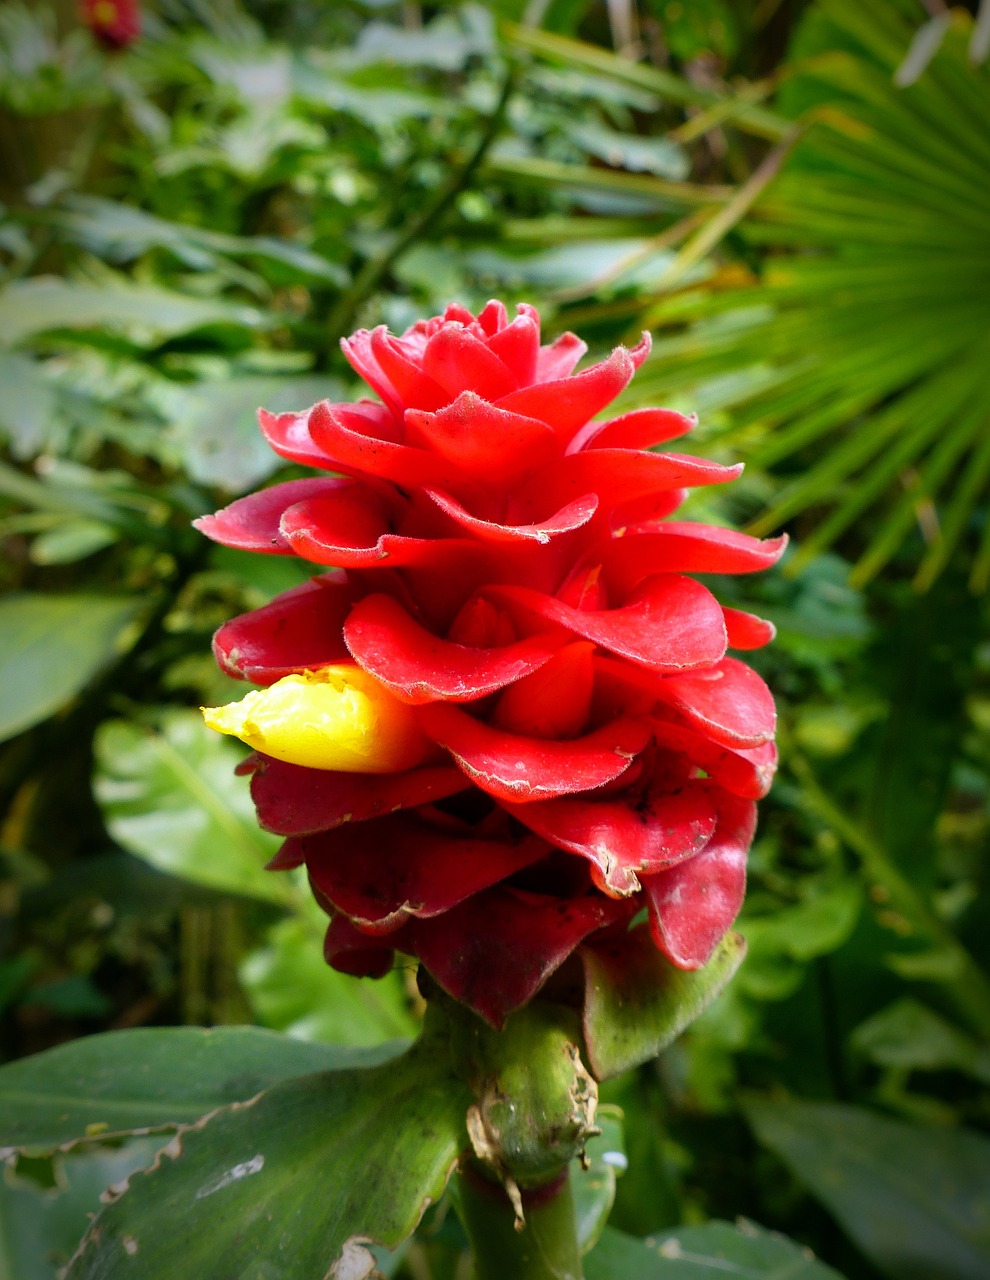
546 1248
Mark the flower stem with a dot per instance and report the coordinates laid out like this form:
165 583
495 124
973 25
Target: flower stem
545 1249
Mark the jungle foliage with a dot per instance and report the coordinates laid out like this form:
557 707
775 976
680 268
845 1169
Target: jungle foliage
794 197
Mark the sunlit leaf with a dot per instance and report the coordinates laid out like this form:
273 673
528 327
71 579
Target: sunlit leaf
169 796
53 646
144 312
291 988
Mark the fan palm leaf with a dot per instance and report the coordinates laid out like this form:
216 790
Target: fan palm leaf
862 354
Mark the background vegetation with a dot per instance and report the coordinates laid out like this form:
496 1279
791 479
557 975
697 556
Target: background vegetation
794 197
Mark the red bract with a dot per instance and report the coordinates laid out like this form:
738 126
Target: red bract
504 563
114 23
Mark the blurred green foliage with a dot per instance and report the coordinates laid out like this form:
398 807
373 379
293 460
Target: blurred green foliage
795 196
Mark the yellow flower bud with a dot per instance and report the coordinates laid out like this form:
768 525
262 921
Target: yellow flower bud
337 717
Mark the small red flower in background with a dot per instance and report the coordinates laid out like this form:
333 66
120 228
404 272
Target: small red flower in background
507 571
114 23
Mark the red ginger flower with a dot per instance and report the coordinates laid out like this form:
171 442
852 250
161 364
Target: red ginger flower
114 23
576 743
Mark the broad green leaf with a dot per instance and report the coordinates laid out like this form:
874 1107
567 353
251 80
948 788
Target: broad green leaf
605 264
915 1200
215 429
40 1227
53 646
121 232
715 1251
593 1184
637 1003
27 405
445 44
292 1184
291 988
169 795
71 540
145 313
151 1078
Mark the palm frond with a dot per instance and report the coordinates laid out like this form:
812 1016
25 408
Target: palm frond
870 326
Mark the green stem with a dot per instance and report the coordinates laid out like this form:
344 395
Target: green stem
545 1249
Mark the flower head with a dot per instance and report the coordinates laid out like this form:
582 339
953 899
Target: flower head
553 734
114 23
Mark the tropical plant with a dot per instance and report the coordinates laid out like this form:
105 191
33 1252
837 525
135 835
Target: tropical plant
851 356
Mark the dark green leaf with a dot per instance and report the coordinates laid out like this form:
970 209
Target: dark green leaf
916 1200
908 1036
150 1078
292 1184
716 1251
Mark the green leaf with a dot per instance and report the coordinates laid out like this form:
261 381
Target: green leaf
915 1200
53 647
216 433
150 1078
907 1036
169 795
593 1182
630 151
781 943
145 313
41 1226
293 1183
70 541
715 1251
27 406
292 988
121 232
637 1003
